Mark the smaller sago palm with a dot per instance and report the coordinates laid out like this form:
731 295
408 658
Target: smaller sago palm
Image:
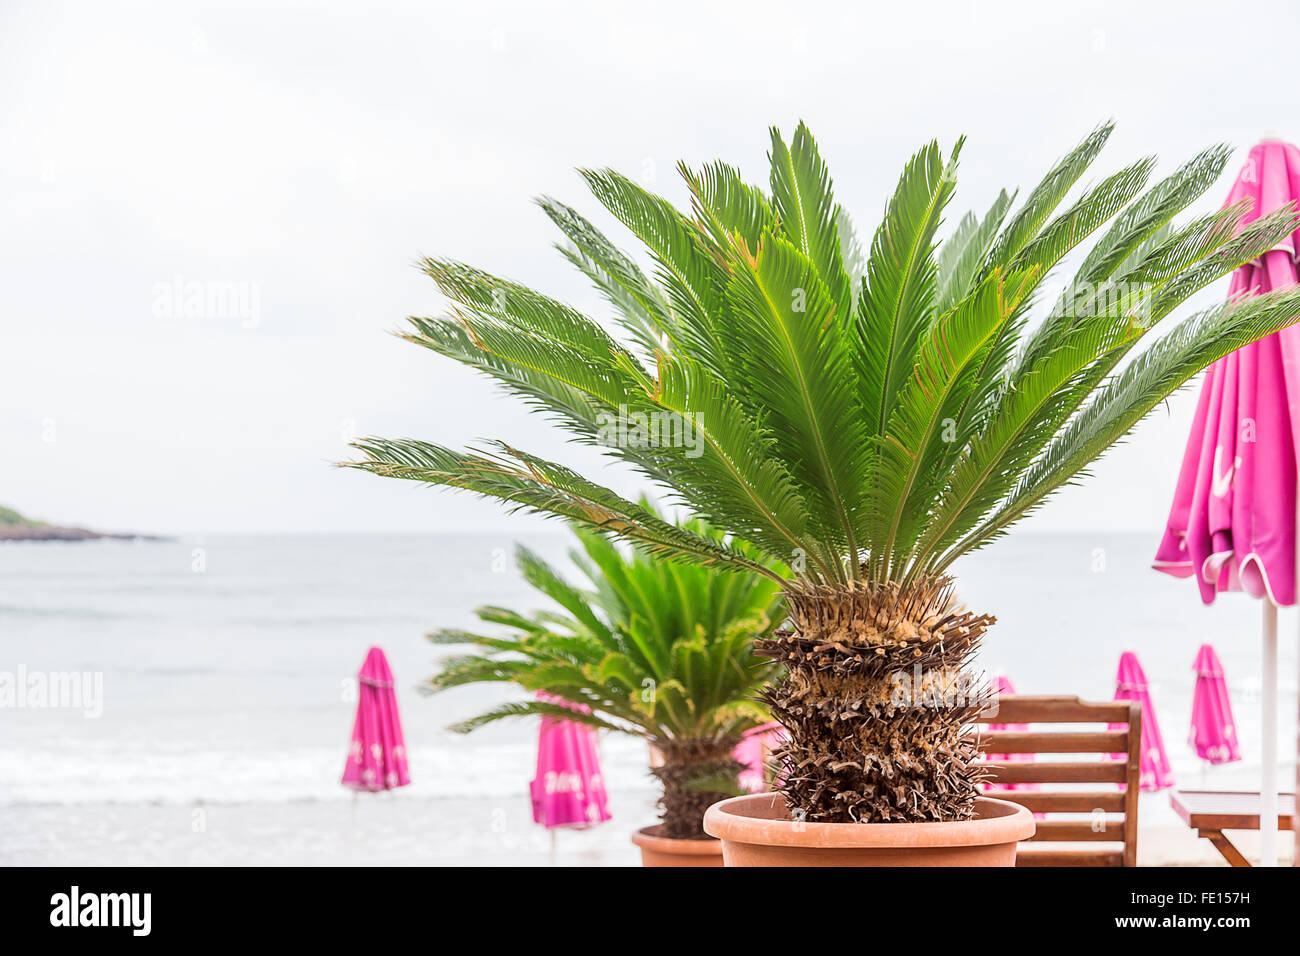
658 650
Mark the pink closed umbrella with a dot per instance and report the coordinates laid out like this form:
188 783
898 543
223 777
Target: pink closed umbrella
1232 526
1233 522
377 754
1002 686
754 750
1131 684
569 790
1214 732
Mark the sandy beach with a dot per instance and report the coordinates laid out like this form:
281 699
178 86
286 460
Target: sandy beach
393 831
375 831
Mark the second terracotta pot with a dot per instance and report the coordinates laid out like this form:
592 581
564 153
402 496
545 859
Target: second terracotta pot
757 830
658 850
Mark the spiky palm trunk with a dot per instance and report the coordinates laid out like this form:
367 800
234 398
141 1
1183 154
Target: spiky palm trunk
877 704
695 774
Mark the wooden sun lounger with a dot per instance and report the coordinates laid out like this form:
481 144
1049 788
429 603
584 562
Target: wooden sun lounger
1210 812
1110 829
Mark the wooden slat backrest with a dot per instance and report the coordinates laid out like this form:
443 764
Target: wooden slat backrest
1100 774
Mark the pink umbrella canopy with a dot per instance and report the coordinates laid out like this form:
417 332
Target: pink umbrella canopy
1233 522
377 755
1214 732
754 750
569 790
1002 686
1131 684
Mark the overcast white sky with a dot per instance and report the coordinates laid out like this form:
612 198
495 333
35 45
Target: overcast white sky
310 151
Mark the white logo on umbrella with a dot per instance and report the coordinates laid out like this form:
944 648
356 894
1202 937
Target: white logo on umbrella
1222 483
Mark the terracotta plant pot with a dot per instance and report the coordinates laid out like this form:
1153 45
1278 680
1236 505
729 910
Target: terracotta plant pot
756 830
659 850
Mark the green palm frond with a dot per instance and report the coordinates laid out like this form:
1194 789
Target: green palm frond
728 206
547 489
575 408
546 579
1091 211
1250 243
692 277
736 481
501 302
963 253
1025 225
809 217
858 420
640 305
901 283
788 318
1151 212
1145 294
534 708
947 362
1122 402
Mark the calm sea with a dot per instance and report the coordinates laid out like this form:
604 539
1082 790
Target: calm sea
226 661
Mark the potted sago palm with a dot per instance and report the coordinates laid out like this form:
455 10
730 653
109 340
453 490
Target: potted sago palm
647 647
867 417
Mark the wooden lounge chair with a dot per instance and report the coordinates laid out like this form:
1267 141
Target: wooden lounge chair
1103 816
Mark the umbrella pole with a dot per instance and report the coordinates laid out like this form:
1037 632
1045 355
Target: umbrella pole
352 827
1268 770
